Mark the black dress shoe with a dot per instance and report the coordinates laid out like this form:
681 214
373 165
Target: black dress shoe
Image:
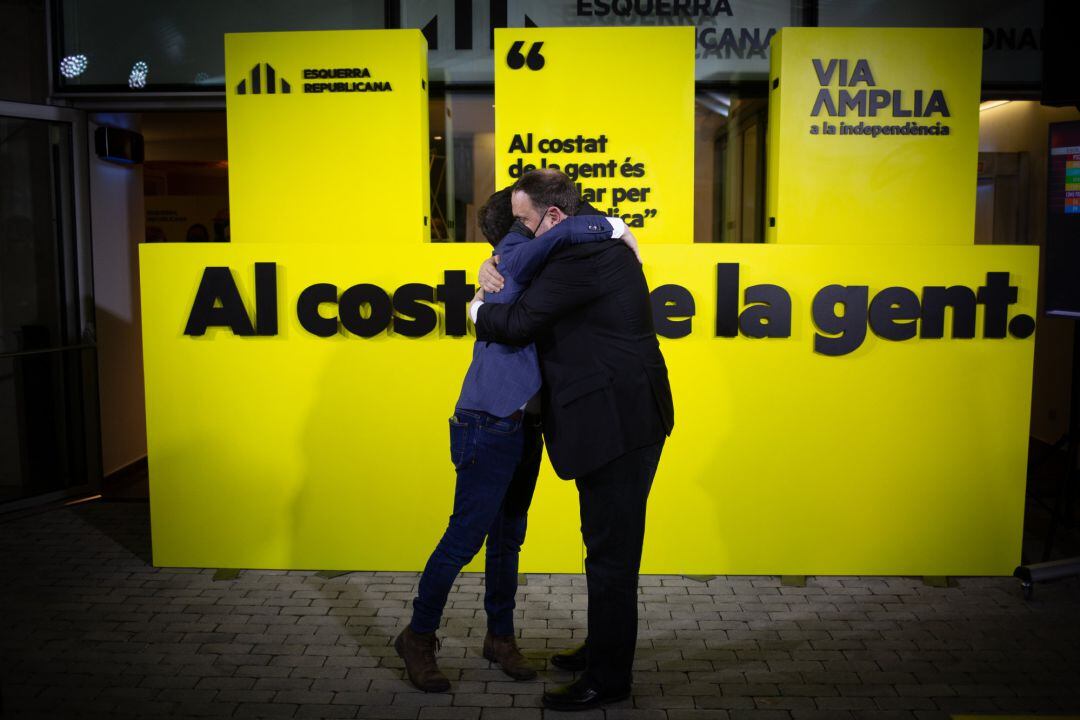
580 695
570 659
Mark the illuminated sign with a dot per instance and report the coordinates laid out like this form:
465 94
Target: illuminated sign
848 400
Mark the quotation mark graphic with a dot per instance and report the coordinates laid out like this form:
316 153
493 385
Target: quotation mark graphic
515 60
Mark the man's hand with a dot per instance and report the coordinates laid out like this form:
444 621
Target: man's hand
488 277
631 242
474 304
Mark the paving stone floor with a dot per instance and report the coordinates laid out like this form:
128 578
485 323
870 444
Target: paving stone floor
91 629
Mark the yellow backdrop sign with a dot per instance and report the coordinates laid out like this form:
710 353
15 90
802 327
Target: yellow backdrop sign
301 451
627 138
840 408
876 130
328 136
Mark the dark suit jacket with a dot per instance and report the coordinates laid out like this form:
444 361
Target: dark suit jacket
605 388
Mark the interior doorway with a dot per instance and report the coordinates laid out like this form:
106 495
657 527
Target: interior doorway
186 176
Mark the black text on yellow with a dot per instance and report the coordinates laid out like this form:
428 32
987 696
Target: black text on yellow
841 313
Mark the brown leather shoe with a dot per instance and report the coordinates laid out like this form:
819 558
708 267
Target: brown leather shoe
418 652
503 650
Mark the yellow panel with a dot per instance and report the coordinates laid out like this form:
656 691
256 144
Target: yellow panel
884 188
641 118
294 451
315 165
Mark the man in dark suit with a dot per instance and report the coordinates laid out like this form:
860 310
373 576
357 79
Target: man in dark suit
607 410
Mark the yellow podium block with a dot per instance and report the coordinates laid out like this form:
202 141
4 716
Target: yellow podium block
563 98
328 136
873 135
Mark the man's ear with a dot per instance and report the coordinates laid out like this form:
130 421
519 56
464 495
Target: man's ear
557 215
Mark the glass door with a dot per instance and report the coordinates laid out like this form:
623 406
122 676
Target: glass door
49 435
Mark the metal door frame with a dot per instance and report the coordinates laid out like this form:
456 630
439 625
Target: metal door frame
84 273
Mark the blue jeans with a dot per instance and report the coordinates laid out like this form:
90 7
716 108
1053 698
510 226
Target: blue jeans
497 461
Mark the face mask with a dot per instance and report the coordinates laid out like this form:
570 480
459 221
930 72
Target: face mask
522 229
532 233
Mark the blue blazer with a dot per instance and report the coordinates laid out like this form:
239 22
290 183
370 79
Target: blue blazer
501 378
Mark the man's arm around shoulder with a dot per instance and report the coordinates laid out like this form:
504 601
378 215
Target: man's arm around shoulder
563 284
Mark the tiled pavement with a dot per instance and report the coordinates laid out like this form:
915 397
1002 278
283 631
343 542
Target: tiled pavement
89 628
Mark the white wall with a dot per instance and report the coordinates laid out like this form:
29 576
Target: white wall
117 227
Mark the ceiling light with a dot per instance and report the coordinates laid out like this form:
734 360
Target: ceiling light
137 78
73 66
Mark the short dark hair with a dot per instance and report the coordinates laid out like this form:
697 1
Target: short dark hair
548 186
496 215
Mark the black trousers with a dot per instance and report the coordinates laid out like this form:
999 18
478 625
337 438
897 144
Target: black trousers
613 500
